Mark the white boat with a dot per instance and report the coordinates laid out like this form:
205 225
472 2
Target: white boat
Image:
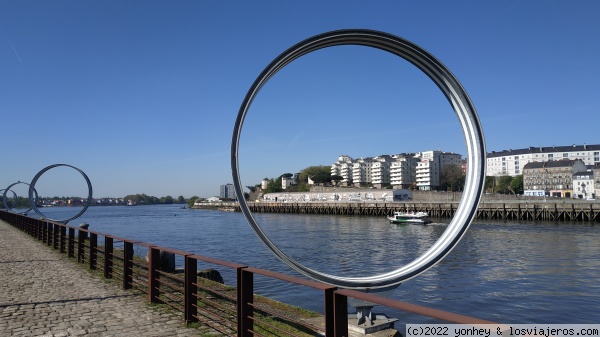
410 217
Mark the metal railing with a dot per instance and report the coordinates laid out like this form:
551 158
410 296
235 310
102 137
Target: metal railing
226 310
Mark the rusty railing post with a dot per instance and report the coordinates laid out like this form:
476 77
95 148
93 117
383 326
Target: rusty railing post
71 242
329 311
127 264
49 231
153 262
55 236
39 232
340 315
80 247
93 251
63 238
44 232
108 257
245 299
191 289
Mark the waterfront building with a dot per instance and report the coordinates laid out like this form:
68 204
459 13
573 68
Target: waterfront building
340 195
596 172
227 192
399 171
431 165
343 168
583 185
361 171
380 171
403 170
512 162
287 182
554 178
264 183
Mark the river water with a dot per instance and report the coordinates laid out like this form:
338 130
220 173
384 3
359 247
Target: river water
508 272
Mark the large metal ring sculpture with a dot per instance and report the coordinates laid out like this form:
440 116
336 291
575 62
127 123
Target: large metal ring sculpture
8 189
33 198
464 109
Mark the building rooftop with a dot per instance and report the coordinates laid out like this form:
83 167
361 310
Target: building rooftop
540 149
550 164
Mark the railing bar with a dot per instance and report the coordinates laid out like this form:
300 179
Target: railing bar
171 296
285 318
216 305
171 276
172 305
218 327
171 285
216 317
218 293
260 322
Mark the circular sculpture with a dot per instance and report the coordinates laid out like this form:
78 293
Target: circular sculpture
460 102
5 200
33 198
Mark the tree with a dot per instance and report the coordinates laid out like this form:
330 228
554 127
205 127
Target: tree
180 199
312 171
516 185
274 186
503 184
191 201
322 178
452 178
490 184
336 179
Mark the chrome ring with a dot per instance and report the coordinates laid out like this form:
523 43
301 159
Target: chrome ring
460 102
32 189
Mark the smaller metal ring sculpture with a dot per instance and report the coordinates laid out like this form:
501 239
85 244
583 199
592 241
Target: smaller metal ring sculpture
464 109
4 200
16 198
33 198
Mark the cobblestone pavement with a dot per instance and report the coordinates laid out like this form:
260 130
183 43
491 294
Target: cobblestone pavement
42 293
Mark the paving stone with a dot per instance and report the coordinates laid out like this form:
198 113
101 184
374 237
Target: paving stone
44 294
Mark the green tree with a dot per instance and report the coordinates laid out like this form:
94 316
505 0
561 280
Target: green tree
516 185
180 199
192 200
490 184
313 171
322 178
503 184
274 186
336 179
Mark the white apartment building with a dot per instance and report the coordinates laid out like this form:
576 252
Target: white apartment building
583 185
596 172
430 166
343 168
399 171
380 171
361 171
403 170
511 162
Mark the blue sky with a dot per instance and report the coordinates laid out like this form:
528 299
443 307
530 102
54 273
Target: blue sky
143 95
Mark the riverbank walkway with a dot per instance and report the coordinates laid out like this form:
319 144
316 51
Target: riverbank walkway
42 293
